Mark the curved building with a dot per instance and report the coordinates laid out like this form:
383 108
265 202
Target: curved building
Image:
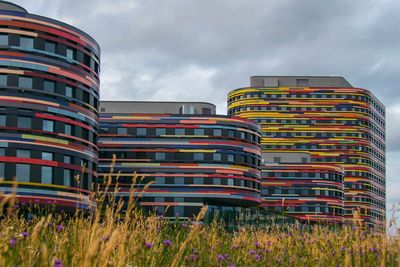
192 156
49 95
294 186
333 121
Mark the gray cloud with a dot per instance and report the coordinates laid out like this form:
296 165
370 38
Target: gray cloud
199 50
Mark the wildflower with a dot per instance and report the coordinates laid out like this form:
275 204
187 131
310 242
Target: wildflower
13 241
231 265
25 234
58 263
234 246
105 238
184 225
148 245
258 257
60 227
252 252
257 244
167 242
192 257
220 257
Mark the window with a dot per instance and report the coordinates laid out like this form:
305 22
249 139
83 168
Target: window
48 125
216 156
198 131
67 177
230 182
277 159
24 122
67 159
68 129
179 131
47 156
3 80
3 39
160 131
231 133
198 180
141 131
231 158
49 86
47 173
70 53
198 156
160 180
68 91
179 180
217 132
2 120
2 170
24 82
23 173
2 152
22 153
160 156
26 43
50 47
206 111
122 131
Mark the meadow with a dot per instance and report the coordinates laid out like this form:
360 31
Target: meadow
109 237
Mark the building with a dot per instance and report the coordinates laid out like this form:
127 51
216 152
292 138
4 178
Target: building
292 185
49 95
331 120
192 156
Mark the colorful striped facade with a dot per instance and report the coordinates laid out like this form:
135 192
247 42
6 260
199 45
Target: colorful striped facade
334 122
49 97
191 160
309 192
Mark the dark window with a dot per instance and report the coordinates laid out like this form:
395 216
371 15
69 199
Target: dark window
160 156
206 111
122 131
49 86
24 82
141 131
1 170
198 156
24 122
26 43
277 159
302 82
2 120
68 129
67 177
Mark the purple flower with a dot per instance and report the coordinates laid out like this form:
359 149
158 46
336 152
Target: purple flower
258 257
60 227
252 252
256 244
13 241
192 257
234 246
184 225
231 265
58 263
167 242
51 224
148 245
25 234
220 257
105 238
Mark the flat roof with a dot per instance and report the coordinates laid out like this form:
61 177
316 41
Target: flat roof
299 81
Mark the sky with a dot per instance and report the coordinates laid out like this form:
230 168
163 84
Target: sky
199 50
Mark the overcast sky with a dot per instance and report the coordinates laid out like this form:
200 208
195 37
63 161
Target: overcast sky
199 50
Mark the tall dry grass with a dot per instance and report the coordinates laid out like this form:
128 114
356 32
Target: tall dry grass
110 237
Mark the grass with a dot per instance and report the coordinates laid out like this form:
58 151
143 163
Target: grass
105 238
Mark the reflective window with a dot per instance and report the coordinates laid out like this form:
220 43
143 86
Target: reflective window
179 131
231 157
47 156
198 156
160 180
26 42
67 177
67 159
22 153
2 152
217 132
3 39
179 180
50 47
24 122
216 156
24 82
70 53
49 86
160 156
68 91
198 180
198 131
2 170
2 120
122 131
23 172
48 125
68 129
47 173
3 80
141 131
160 131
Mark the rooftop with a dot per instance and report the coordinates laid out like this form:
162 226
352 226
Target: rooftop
299 81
